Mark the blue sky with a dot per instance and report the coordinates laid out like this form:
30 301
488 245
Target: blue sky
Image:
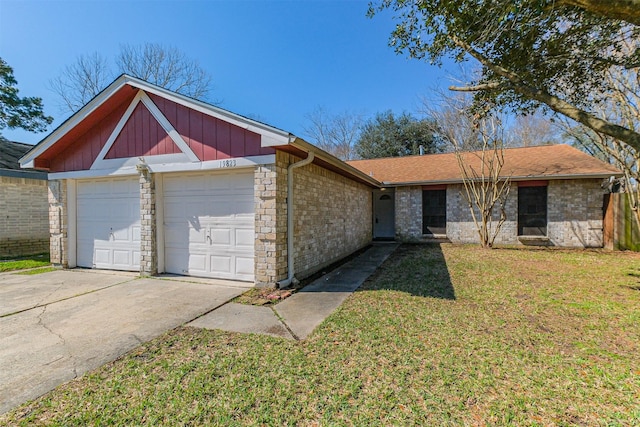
272 60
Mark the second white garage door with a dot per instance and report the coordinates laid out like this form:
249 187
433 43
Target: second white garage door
209 224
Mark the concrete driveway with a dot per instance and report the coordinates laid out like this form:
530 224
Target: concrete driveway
56 326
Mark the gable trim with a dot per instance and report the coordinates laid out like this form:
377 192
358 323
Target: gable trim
141 97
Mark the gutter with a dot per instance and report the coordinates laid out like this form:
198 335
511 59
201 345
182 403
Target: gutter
512 178
290 255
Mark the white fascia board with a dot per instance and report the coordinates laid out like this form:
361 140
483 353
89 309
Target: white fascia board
512 178
27 160
128 166
270 136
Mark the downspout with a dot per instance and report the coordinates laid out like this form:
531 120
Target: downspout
290 263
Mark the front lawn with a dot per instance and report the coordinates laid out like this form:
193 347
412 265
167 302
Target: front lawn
22 263
441 335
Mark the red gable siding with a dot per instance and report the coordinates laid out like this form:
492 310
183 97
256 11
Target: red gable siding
82 152
142 135
210 138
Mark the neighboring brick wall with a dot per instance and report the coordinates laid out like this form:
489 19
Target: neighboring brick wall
24 219
148 246
333 216
574 214
58 222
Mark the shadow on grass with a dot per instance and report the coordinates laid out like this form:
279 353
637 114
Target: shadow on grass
417 269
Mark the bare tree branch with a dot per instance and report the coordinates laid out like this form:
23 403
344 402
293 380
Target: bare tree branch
556 104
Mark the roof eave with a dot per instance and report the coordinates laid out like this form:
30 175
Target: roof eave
512 178
334 161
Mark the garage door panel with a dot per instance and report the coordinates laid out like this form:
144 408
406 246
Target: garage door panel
221 220
198 263
220 236
244 265
220 264
245 237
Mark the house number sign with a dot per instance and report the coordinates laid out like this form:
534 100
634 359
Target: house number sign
229 163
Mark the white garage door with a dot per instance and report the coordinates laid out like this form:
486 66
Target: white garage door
108 224
209 224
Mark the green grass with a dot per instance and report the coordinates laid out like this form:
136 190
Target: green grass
22 263
441 335
37 271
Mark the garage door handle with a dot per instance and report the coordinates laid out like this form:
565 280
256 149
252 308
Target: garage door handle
209 239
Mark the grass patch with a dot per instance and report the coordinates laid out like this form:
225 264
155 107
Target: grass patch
33 261
440 335
37 271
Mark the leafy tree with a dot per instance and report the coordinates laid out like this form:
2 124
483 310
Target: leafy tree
164 66
334 133
387 135
16 112
532 52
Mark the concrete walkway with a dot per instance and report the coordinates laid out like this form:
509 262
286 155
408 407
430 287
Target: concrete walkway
297 316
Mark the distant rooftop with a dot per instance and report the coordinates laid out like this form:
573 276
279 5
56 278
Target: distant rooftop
10 154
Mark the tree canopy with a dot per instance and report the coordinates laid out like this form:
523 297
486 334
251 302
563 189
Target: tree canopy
553 53
387 135
15 112
164 66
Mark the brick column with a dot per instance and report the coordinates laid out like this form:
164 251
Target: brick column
58 226
148 245
270 188
265 225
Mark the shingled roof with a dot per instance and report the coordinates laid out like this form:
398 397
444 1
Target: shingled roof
10 154
528 163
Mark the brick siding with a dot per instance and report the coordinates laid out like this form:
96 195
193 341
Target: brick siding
574 215
333 218
24 225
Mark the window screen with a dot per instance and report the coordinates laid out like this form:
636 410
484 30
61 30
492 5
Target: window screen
532 211
434 211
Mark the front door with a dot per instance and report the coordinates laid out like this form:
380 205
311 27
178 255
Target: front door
383 214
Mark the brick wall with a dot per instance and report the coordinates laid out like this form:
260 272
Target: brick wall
408 218
269 244
574 214
58 222
24 225
460 225
333 218
576 219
